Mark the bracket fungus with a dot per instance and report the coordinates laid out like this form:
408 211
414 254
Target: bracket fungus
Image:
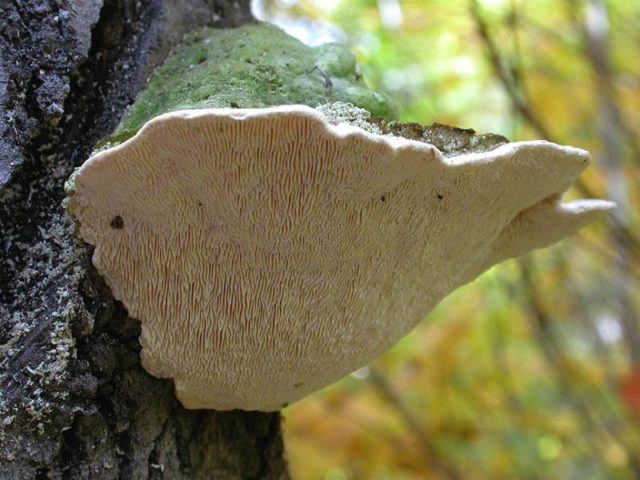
268 251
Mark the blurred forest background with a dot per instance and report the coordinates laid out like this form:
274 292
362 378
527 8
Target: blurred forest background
532 371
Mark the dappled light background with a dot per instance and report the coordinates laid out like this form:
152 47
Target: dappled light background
533 370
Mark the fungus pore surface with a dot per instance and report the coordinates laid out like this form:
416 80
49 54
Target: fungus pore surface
269 252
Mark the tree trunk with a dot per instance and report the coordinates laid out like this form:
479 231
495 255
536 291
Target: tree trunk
74 401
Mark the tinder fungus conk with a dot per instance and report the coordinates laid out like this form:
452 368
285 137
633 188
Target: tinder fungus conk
268 252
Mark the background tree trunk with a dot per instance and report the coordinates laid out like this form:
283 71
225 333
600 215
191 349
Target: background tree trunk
74 401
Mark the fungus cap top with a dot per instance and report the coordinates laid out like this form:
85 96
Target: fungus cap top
269 252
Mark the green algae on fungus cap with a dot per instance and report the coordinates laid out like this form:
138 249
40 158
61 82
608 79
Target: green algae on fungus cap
269 252
252 66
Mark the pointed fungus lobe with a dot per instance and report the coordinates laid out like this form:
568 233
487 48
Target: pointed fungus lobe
268 252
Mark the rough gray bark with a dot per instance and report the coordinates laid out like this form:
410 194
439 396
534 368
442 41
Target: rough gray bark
74 401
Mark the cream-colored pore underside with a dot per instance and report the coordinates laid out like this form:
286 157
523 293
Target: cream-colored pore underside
268 253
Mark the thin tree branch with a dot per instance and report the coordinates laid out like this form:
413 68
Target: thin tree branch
594 31
542 323
433 458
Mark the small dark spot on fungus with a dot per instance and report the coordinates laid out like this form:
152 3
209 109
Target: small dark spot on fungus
383 198
234 105
284 405
440 196
117 222
298 385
